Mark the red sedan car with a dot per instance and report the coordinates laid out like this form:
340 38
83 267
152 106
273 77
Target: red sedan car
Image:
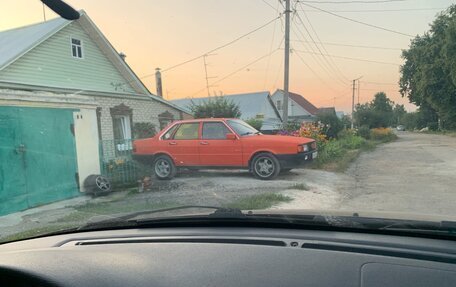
225 143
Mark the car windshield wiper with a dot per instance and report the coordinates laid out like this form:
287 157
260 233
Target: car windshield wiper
129 218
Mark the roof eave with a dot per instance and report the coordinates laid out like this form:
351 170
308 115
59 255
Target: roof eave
36 43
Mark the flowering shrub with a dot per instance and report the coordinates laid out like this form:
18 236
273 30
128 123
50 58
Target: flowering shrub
308 130
382 134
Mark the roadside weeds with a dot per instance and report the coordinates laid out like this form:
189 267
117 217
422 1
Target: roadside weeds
340 160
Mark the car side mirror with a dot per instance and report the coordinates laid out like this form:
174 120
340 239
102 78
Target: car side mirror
231 136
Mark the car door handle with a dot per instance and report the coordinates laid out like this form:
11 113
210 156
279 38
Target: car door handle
172 143
204 143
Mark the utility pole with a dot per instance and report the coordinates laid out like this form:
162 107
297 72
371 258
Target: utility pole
207 79
287 63
353 102
353 106
359 89
205 71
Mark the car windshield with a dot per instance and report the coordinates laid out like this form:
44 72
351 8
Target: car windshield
242 128
110 109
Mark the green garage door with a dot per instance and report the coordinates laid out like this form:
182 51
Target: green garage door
37 157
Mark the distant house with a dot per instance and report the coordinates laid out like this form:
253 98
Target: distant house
64 89
327 110
252 105
299 108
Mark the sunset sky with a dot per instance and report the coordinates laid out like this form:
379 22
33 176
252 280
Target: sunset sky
160 33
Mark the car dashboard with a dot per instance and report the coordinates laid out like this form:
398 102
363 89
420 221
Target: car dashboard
228 256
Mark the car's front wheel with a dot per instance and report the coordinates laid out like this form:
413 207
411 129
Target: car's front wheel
164 167
265 166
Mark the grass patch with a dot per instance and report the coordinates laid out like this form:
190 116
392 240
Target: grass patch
299 186
84 212
338 154
259 201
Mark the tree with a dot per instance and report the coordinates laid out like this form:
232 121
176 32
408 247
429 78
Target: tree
398 114
428 76
377 113
255 123
333 125
215 107
346 121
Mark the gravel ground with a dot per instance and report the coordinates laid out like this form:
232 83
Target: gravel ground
415 174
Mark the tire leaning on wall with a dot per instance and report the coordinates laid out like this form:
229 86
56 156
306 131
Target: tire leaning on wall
96 185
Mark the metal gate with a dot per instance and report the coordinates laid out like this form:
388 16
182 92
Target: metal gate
38 162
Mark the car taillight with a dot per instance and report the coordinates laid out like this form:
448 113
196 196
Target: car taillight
313 145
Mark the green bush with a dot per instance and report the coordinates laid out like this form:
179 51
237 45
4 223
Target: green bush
215 107
346 132
142 130
255 123
333 125
364 132
352 142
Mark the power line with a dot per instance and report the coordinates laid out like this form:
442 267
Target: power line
378 10
356 21
354 46
270 47
354 59
238 70
323 46
316 75
377 83
317 59
267 3
353 2
215 49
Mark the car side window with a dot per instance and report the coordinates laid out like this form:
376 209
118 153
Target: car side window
187 131
169 133
214 131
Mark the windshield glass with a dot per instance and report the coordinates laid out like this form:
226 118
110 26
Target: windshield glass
241 128
336 107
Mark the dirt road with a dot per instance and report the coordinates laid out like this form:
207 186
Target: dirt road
416 173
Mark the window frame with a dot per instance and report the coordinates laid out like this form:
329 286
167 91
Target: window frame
128 121
210 122
81 45
198 137
279 105
162 137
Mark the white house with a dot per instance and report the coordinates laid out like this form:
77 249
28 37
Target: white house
252 105
298 107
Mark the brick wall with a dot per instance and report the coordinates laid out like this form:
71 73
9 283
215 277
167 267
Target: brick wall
146 110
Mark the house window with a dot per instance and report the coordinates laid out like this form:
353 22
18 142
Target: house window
76 48
122 124
122 128
279 105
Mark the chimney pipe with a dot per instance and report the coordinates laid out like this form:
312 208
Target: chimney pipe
158 82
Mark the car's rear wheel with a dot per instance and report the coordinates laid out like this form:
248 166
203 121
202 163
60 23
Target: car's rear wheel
265 166
164 167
